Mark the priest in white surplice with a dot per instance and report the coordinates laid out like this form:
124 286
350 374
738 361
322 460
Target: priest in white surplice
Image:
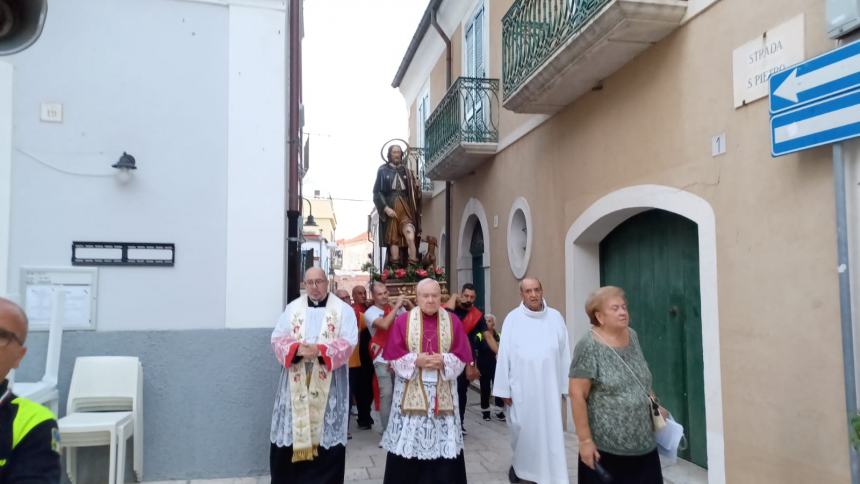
313 340
531 377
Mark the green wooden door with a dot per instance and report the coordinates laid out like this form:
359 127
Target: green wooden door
476 249
654 257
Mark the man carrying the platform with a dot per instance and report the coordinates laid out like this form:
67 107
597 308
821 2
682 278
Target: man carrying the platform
379 318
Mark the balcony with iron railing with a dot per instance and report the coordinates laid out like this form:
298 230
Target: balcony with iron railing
553 51
463 131
416 160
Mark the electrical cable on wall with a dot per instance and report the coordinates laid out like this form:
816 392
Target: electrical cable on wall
61 170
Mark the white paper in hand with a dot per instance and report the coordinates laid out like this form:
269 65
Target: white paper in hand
669 438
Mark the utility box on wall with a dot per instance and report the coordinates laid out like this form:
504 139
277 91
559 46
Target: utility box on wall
842 17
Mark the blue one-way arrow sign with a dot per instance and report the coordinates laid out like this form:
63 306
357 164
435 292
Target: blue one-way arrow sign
824 122
817 78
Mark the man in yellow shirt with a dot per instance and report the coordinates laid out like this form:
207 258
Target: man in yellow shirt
28 431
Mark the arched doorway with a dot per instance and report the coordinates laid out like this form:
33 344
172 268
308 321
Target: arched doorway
654 257
476 250
470 266
582 276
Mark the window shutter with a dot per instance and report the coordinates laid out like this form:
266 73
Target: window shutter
479 44
470 50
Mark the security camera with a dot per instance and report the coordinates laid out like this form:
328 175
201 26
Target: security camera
21 23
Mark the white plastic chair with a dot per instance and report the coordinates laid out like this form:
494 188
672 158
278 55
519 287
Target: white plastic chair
105 407
45 390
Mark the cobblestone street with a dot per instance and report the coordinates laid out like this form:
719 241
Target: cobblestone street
487 453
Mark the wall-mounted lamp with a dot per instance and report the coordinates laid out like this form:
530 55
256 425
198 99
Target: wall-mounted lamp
125 164
310 222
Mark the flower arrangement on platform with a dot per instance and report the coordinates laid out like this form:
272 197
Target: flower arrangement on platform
411 273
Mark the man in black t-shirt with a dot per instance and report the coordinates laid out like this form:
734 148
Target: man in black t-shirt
487 367
463 305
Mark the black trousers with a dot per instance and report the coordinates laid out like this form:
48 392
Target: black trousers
488 374
327 468
624 469
462 388
361 388
400 470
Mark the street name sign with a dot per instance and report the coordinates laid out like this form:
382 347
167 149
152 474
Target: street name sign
830 73
826 121
756 60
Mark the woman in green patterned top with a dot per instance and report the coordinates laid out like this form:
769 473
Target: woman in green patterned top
611 409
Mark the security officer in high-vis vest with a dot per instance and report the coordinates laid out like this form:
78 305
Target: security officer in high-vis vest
28 431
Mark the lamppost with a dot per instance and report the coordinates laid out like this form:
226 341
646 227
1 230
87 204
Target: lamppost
311 222
294 253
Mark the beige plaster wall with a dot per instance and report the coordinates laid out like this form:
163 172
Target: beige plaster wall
433 220
783 401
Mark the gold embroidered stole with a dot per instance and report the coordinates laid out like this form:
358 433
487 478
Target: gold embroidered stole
309 390
415 400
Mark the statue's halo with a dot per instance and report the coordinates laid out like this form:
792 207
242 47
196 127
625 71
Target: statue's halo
384 151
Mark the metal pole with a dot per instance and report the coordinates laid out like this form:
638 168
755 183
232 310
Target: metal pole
845 299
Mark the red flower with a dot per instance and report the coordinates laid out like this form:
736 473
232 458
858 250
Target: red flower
400 273
440 271
384 276
420 273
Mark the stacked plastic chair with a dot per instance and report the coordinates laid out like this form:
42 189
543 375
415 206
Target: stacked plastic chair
105 407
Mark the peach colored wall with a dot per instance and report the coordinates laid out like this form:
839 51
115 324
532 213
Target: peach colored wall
783 400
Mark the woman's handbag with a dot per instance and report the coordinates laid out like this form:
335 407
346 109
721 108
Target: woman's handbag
657 420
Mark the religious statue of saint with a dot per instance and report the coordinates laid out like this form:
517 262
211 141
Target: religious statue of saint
397 197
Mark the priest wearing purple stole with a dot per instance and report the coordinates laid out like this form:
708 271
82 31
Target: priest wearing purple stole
427 348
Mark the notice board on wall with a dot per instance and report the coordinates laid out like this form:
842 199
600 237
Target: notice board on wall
80 289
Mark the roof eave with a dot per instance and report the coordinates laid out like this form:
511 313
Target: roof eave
423 26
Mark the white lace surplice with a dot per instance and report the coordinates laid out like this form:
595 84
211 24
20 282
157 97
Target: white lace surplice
424 437
336 417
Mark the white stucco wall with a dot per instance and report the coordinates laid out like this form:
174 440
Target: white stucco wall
256 230
5 167
191 90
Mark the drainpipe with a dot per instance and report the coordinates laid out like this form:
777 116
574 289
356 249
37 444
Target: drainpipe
447 46
294 73
448 184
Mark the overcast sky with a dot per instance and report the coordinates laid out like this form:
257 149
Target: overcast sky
351 51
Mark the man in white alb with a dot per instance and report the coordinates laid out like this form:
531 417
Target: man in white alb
313 340
531 378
